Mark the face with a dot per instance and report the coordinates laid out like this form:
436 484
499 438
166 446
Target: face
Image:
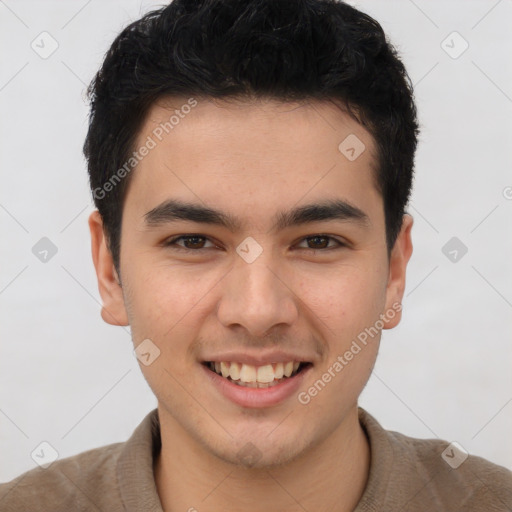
248 273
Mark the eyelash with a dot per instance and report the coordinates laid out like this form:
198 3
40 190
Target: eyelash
171 242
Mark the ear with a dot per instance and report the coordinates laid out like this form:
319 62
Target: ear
400 255
113 310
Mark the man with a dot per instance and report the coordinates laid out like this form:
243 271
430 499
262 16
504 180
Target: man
251 162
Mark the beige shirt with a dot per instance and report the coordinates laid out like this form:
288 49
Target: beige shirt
406 474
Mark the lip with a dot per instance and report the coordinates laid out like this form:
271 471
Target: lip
256 397
260 359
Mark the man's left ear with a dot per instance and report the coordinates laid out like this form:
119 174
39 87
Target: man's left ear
400 255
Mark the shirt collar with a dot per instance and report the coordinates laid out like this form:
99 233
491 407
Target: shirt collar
137 483
134 469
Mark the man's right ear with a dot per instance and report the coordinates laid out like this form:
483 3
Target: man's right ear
113 310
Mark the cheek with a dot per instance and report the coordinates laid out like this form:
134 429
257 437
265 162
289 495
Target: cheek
166 300
164 307
346 298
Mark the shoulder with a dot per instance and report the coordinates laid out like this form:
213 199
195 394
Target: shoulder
430 474
454 477
86 481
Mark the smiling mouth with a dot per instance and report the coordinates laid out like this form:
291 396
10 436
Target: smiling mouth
250 376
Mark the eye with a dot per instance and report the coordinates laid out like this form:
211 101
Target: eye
195 242
192 242
322 242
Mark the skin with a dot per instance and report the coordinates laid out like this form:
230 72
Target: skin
252 159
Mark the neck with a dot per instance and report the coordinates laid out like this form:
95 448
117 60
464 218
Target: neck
328 476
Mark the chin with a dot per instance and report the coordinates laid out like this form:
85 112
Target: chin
260 454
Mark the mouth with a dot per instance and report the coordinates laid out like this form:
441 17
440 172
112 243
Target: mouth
261 377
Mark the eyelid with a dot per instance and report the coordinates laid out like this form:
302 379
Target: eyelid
171 241
340 242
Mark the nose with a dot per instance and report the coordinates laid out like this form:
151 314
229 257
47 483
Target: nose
257 296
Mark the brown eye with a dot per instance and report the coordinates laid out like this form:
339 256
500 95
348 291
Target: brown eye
191 242
321 242
196 242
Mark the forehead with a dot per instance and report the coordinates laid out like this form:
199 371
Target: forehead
251 154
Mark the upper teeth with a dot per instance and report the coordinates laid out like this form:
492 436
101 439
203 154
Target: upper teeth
249 373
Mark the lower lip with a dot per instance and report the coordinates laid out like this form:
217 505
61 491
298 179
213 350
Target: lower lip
257 397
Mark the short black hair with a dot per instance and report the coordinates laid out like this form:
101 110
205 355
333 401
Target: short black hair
288 50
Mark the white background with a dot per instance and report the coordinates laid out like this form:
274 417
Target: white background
71 380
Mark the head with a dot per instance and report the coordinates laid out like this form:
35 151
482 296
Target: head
241 112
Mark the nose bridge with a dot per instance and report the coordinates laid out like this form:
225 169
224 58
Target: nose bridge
259 277
254 295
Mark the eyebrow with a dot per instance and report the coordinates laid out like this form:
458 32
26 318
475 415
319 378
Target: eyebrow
173 210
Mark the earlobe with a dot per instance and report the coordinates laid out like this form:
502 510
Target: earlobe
113 310
399 258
